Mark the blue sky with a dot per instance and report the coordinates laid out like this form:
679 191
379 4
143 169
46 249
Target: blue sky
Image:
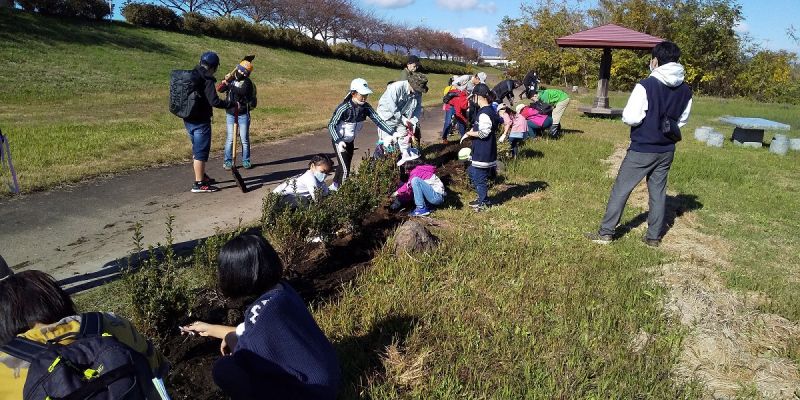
765 20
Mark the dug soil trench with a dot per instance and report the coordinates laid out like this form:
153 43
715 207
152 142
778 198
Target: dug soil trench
731 346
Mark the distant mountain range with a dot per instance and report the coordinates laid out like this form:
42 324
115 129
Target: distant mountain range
484 49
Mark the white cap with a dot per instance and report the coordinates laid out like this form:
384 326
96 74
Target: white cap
464 153
482 77
410 154
360 86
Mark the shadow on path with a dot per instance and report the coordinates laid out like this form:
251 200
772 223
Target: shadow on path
676 207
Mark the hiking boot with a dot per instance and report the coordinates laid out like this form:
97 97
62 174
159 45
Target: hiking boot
227 165
203 187
598 238
651 242
208 179
420 212
246 164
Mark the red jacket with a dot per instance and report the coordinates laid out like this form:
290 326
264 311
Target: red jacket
460 103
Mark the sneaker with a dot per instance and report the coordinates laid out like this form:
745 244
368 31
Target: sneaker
651 242
203 187
420 212
333 187
246 164
474 203
227 165
598 238
208 179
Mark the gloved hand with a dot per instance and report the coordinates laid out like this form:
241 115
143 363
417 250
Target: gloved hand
341 146
502 138
462 138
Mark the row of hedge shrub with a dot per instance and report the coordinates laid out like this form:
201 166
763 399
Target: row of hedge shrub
238 29
90 9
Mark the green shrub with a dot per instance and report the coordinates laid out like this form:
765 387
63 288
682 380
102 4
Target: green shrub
90 9
195 22
151 15
157 296
289 229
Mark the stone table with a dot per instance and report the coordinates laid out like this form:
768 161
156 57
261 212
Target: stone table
751 130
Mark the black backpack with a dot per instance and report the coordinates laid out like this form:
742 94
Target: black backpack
183 93
95 366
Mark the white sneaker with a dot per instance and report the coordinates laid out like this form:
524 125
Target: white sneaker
333 187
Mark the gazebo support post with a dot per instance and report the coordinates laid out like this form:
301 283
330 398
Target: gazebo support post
601 100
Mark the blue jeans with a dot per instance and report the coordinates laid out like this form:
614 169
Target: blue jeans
244 134
200 136
480 181
533 128
424 192
448 116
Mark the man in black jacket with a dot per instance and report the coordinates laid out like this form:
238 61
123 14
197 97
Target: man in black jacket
198 123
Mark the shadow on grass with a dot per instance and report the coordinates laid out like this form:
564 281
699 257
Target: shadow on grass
360 356
514 191
676 207
529 153
17 28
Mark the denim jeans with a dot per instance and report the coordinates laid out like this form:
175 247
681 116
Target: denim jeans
424 192
533 129
244 134
448 116
480 181
200 136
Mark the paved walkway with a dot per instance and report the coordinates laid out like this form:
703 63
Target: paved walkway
83 233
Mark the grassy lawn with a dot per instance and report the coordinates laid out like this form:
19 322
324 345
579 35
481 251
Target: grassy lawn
91 99
514 303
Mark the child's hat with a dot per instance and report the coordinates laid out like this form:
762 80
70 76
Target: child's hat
360 85
464 153
245 67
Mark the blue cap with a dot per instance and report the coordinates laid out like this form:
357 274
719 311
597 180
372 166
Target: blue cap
210 59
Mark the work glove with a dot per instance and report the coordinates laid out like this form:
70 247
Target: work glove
341 146
501 139
462 138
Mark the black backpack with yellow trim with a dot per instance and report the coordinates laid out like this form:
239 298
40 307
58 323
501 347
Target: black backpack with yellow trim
94 366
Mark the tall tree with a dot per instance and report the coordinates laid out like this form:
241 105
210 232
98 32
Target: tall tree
186 6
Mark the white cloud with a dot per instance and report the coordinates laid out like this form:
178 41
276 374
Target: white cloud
390 3
479 33
741 27
465 5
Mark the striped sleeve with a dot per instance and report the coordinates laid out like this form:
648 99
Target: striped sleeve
484 126
337 116
378 120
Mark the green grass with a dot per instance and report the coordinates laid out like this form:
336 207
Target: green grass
514 303
86 99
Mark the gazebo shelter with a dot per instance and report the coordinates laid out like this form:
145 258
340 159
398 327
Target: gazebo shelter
607 37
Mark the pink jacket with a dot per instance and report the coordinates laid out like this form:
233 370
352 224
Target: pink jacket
532 115
424 172
518 123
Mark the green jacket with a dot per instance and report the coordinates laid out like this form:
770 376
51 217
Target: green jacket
552 96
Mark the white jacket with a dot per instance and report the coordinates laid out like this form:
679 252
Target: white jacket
302 186
397 102
670 74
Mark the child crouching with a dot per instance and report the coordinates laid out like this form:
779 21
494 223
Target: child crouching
422 186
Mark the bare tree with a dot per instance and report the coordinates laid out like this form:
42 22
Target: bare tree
224 8
259 11
186 6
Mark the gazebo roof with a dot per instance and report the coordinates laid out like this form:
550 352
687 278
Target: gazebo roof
610 36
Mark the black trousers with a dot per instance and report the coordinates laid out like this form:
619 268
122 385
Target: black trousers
345 159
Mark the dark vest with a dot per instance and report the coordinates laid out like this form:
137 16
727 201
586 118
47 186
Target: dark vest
662 100
485 150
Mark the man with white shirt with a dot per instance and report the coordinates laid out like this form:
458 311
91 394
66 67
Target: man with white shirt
661 100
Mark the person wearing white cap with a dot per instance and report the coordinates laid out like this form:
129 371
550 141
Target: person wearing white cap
476 79
347 121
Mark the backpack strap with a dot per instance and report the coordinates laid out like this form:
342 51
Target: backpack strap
24 349
91 324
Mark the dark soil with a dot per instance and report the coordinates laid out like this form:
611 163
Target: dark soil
318 277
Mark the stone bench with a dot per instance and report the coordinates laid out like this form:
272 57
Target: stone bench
750 131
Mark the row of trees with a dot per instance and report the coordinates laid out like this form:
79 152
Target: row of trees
333 21
718 59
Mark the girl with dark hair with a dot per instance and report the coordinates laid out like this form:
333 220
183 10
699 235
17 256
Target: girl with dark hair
33 306
279 351
302 188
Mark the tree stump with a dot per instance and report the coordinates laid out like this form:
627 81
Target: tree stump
412 237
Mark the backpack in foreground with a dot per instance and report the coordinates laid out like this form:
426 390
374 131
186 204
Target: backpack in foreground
182 92
95 366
